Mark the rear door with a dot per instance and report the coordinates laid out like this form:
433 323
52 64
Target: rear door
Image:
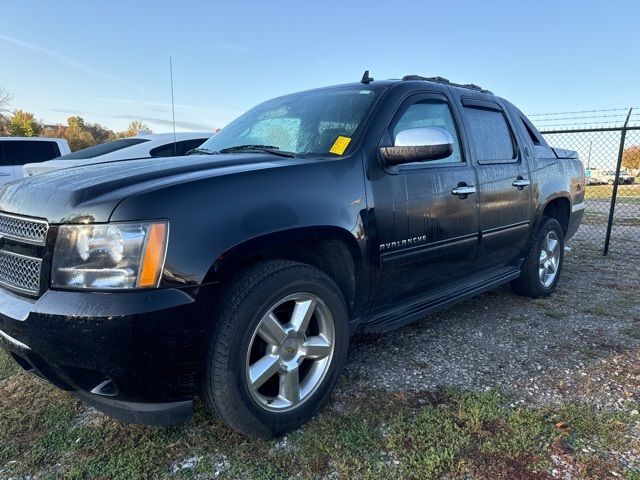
427 235
504 185
6 170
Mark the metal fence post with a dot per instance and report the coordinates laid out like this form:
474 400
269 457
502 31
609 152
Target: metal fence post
614 194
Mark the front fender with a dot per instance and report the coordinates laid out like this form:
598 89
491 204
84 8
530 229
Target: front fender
212 215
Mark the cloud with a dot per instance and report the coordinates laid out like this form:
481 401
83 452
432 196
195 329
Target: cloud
155 120
164 122
230 47
71 62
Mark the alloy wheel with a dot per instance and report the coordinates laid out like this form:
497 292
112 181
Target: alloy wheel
549 259
290 352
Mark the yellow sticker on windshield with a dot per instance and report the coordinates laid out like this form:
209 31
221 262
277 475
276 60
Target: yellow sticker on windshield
340 145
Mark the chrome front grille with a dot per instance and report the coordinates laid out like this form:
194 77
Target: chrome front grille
22 242
19 272
22 229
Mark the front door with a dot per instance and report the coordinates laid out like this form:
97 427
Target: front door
426 235
504 191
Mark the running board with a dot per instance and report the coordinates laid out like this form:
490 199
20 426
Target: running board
418 308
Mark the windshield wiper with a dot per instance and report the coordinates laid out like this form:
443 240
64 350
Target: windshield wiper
201 151
258 148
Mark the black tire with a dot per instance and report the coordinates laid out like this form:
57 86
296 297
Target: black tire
243 303
529 283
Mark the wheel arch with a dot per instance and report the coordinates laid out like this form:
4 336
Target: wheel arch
333 250
559 208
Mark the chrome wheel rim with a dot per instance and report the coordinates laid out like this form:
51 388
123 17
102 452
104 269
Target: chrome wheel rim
549 259
290 352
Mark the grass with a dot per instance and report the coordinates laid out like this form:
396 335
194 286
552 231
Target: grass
368 434
626 193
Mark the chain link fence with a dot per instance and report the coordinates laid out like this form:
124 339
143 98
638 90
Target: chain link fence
608 142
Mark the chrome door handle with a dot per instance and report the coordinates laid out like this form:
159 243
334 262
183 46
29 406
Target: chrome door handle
463 191
5 174
520 183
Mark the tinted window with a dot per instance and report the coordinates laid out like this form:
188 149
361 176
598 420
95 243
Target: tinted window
431 113
19 152
165 150
104 148
490 134
181 148
191 144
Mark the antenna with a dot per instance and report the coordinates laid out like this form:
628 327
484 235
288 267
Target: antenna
173 108
366 79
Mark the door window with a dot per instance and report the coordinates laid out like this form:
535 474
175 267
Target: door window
430 113
490 134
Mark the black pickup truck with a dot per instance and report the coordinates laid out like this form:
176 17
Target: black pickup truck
239 273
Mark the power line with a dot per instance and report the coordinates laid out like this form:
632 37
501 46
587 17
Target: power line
581 111
617 115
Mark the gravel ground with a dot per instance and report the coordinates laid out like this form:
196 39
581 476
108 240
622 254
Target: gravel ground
579 345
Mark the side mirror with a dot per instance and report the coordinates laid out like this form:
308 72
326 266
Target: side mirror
419 145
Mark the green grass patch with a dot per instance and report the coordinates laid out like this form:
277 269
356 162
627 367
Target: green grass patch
369 434
8 367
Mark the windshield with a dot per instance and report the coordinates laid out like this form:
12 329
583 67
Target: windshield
321 122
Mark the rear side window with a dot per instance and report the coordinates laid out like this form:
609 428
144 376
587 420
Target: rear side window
490 134
104 148
20 152
179 149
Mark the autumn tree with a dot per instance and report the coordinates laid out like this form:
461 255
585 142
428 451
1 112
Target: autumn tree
631 158
77 134
23 124
80 134
136 127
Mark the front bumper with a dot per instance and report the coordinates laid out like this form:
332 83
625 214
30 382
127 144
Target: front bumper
131 355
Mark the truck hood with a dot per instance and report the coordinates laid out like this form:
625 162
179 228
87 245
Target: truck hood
90 193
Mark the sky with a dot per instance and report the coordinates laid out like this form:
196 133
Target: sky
109 61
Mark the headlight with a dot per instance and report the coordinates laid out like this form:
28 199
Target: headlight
109 256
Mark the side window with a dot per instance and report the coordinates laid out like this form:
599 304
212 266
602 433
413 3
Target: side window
2 160
20 152
191 144
490 134
181 148
165 151
430 113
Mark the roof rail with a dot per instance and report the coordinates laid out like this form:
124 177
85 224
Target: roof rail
470 86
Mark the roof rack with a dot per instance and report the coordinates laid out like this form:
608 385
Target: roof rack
470 86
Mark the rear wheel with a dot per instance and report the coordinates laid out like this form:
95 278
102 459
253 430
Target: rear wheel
277 349
543 263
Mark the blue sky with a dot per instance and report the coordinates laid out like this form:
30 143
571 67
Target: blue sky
108 61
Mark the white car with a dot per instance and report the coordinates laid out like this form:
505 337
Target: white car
142 146
16 151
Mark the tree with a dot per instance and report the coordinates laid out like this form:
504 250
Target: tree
631 158
136 127
5 101
80 134
23 124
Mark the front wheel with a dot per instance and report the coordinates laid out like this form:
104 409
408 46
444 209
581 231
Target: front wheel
543 263
278 347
